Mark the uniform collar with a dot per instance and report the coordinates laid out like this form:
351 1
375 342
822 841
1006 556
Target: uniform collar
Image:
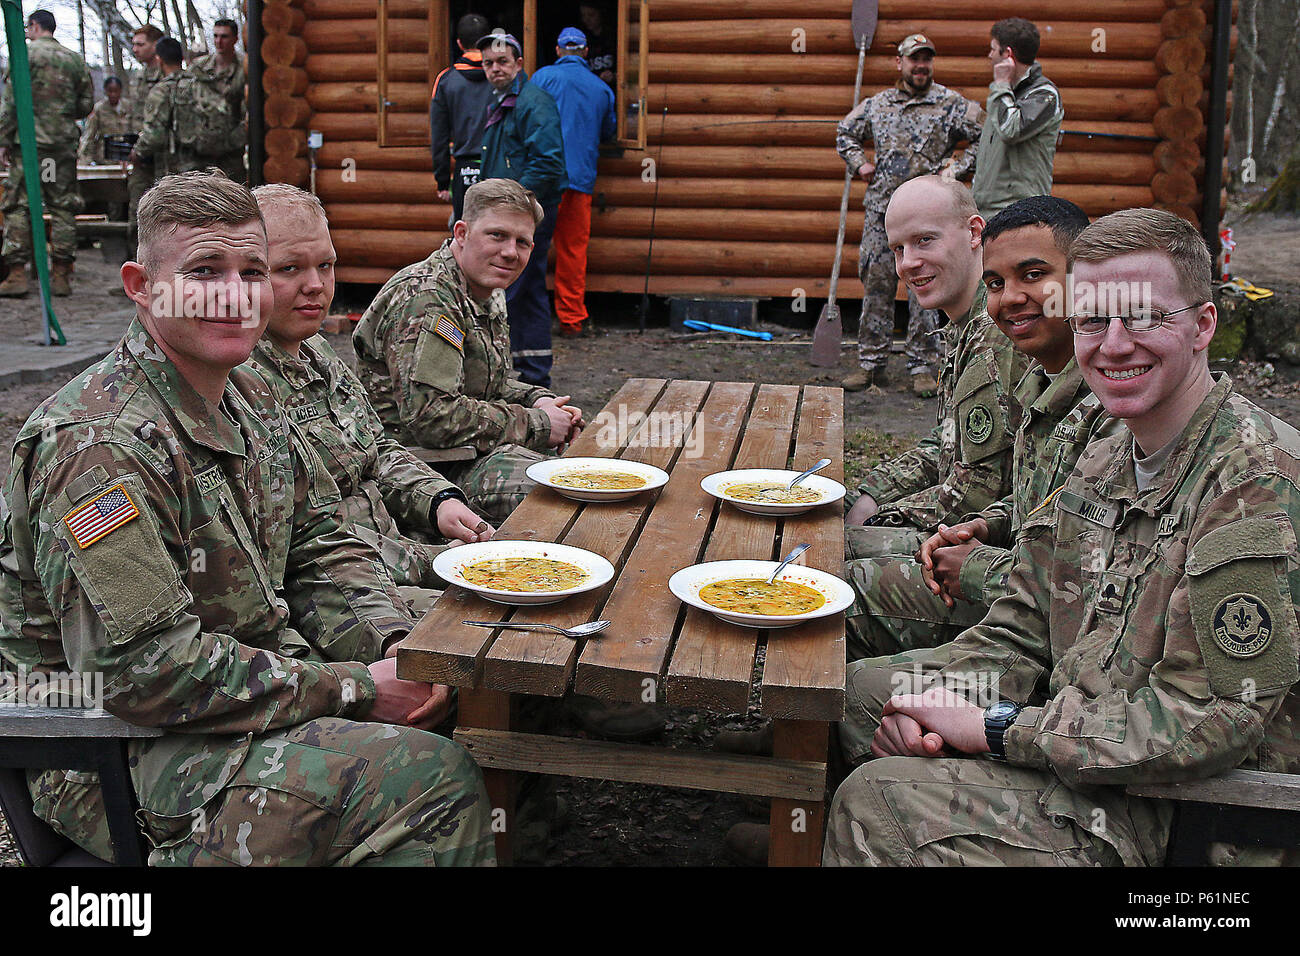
1058 396
474 309
1035 71
909 94
298 370
978 306
1119 481
199 419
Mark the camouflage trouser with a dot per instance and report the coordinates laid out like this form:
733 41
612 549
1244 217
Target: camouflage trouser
58 179
870 541
893 609
494 483
917 811
138 181
876 328
327 791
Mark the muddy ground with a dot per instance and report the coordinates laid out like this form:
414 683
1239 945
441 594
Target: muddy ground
623 824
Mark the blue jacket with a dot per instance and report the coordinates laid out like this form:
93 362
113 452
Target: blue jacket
526 145
586 105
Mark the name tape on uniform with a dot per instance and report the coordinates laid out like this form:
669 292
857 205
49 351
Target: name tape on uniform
102 514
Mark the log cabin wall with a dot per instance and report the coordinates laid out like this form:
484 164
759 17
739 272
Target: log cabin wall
748 181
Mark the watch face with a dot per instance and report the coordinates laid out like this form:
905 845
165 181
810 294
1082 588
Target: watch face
1002 709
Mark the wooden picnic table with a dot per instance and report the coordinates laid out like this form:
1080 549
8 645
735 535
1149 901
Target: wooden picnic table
659 650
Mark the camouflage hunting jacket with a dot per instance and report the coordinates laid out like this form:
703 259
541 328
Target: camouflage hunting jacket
914 135
231 80
138 87
170 545
964 465
1059 418
380 491
105 120
437 363
1153 635
61 94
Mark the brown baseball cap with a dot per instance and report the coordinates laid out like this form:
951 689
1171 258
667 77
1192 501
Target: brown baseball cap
917 41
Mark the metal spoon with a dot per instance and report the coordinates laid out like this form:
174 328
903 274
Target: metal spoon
817 467
582 630
784 561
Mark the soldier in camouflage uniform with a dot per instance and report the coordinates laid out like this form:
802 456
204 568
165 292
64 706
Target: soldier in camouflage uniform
62 93
915 126
110 117
157 145
162 534
141 174
227 70
900 604
1148 631
964 465
381 492
433 351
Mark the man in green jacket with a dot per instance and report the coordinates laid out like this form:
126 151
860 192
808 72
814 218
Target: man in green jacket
522 141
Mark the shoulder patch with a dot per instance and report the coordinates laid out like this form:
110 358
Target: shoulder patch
979 424
450 331
1242 625
99 516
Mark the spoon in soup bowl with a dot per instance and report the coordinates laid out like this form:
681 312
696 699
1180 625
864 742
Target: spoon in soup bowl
786 560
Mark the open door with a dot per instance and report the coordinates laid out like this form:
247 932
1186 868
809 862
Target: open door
633 72
403 43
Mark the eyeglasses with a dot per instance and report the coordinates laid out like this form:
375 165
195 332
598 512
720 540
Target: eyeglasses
1139 320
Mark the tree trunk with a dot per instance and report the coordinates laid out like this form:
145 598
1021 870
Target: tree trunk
1284 194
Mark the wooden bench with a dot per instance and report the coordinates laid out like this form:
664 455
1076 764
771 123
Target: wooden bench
1246 807
58 738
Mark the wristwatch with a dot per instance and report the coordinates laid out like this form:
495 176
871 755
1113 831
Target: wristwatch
997 719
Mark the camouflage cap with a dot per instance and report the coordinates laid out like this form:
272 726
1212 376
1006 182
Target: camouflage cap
917 41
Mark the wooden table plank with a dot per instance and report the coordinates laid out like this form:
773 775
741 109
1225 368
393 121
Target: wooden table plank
804 672
713 661
629 662
538 663
443 650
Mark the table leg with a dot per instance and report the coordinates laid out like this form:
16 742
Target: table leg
491 710
797 825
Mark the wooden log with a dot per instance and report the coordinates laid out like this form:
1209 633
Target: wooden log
282 49
282 18
351 10
285 80
286 111
294 171
1179 89
1135 41
364 97
1182 21
840 68
405 35
761 225
369 155
363 67
1183 210
1178 122
1081 103
1173 187
286 143
415 217
1183 55
1171 154
980 10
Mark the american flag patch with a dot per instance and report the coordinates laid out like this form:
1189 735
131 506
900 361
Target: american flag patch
100 515
450 331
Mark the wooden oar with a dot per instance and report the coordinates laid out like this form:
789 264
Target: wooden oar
827 334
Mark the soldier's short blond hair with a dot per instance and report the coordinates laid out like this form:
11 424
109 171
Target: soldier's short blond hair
200 198
1150 230
489 194
285 199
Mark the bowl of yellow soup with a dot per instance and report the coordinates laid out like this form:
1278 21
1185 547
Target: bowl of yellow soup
523 572
762 491
597 479
737 591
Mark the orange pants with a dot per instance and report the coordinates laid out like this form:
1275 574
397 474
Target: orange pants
572 232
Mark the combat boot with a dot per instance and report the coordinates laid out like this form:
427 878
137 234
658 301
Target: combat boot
863 378
15 284
61 277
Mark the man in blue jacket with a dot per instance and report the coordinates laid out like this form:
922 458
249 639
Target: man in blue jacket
522 141
587 117
457 110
